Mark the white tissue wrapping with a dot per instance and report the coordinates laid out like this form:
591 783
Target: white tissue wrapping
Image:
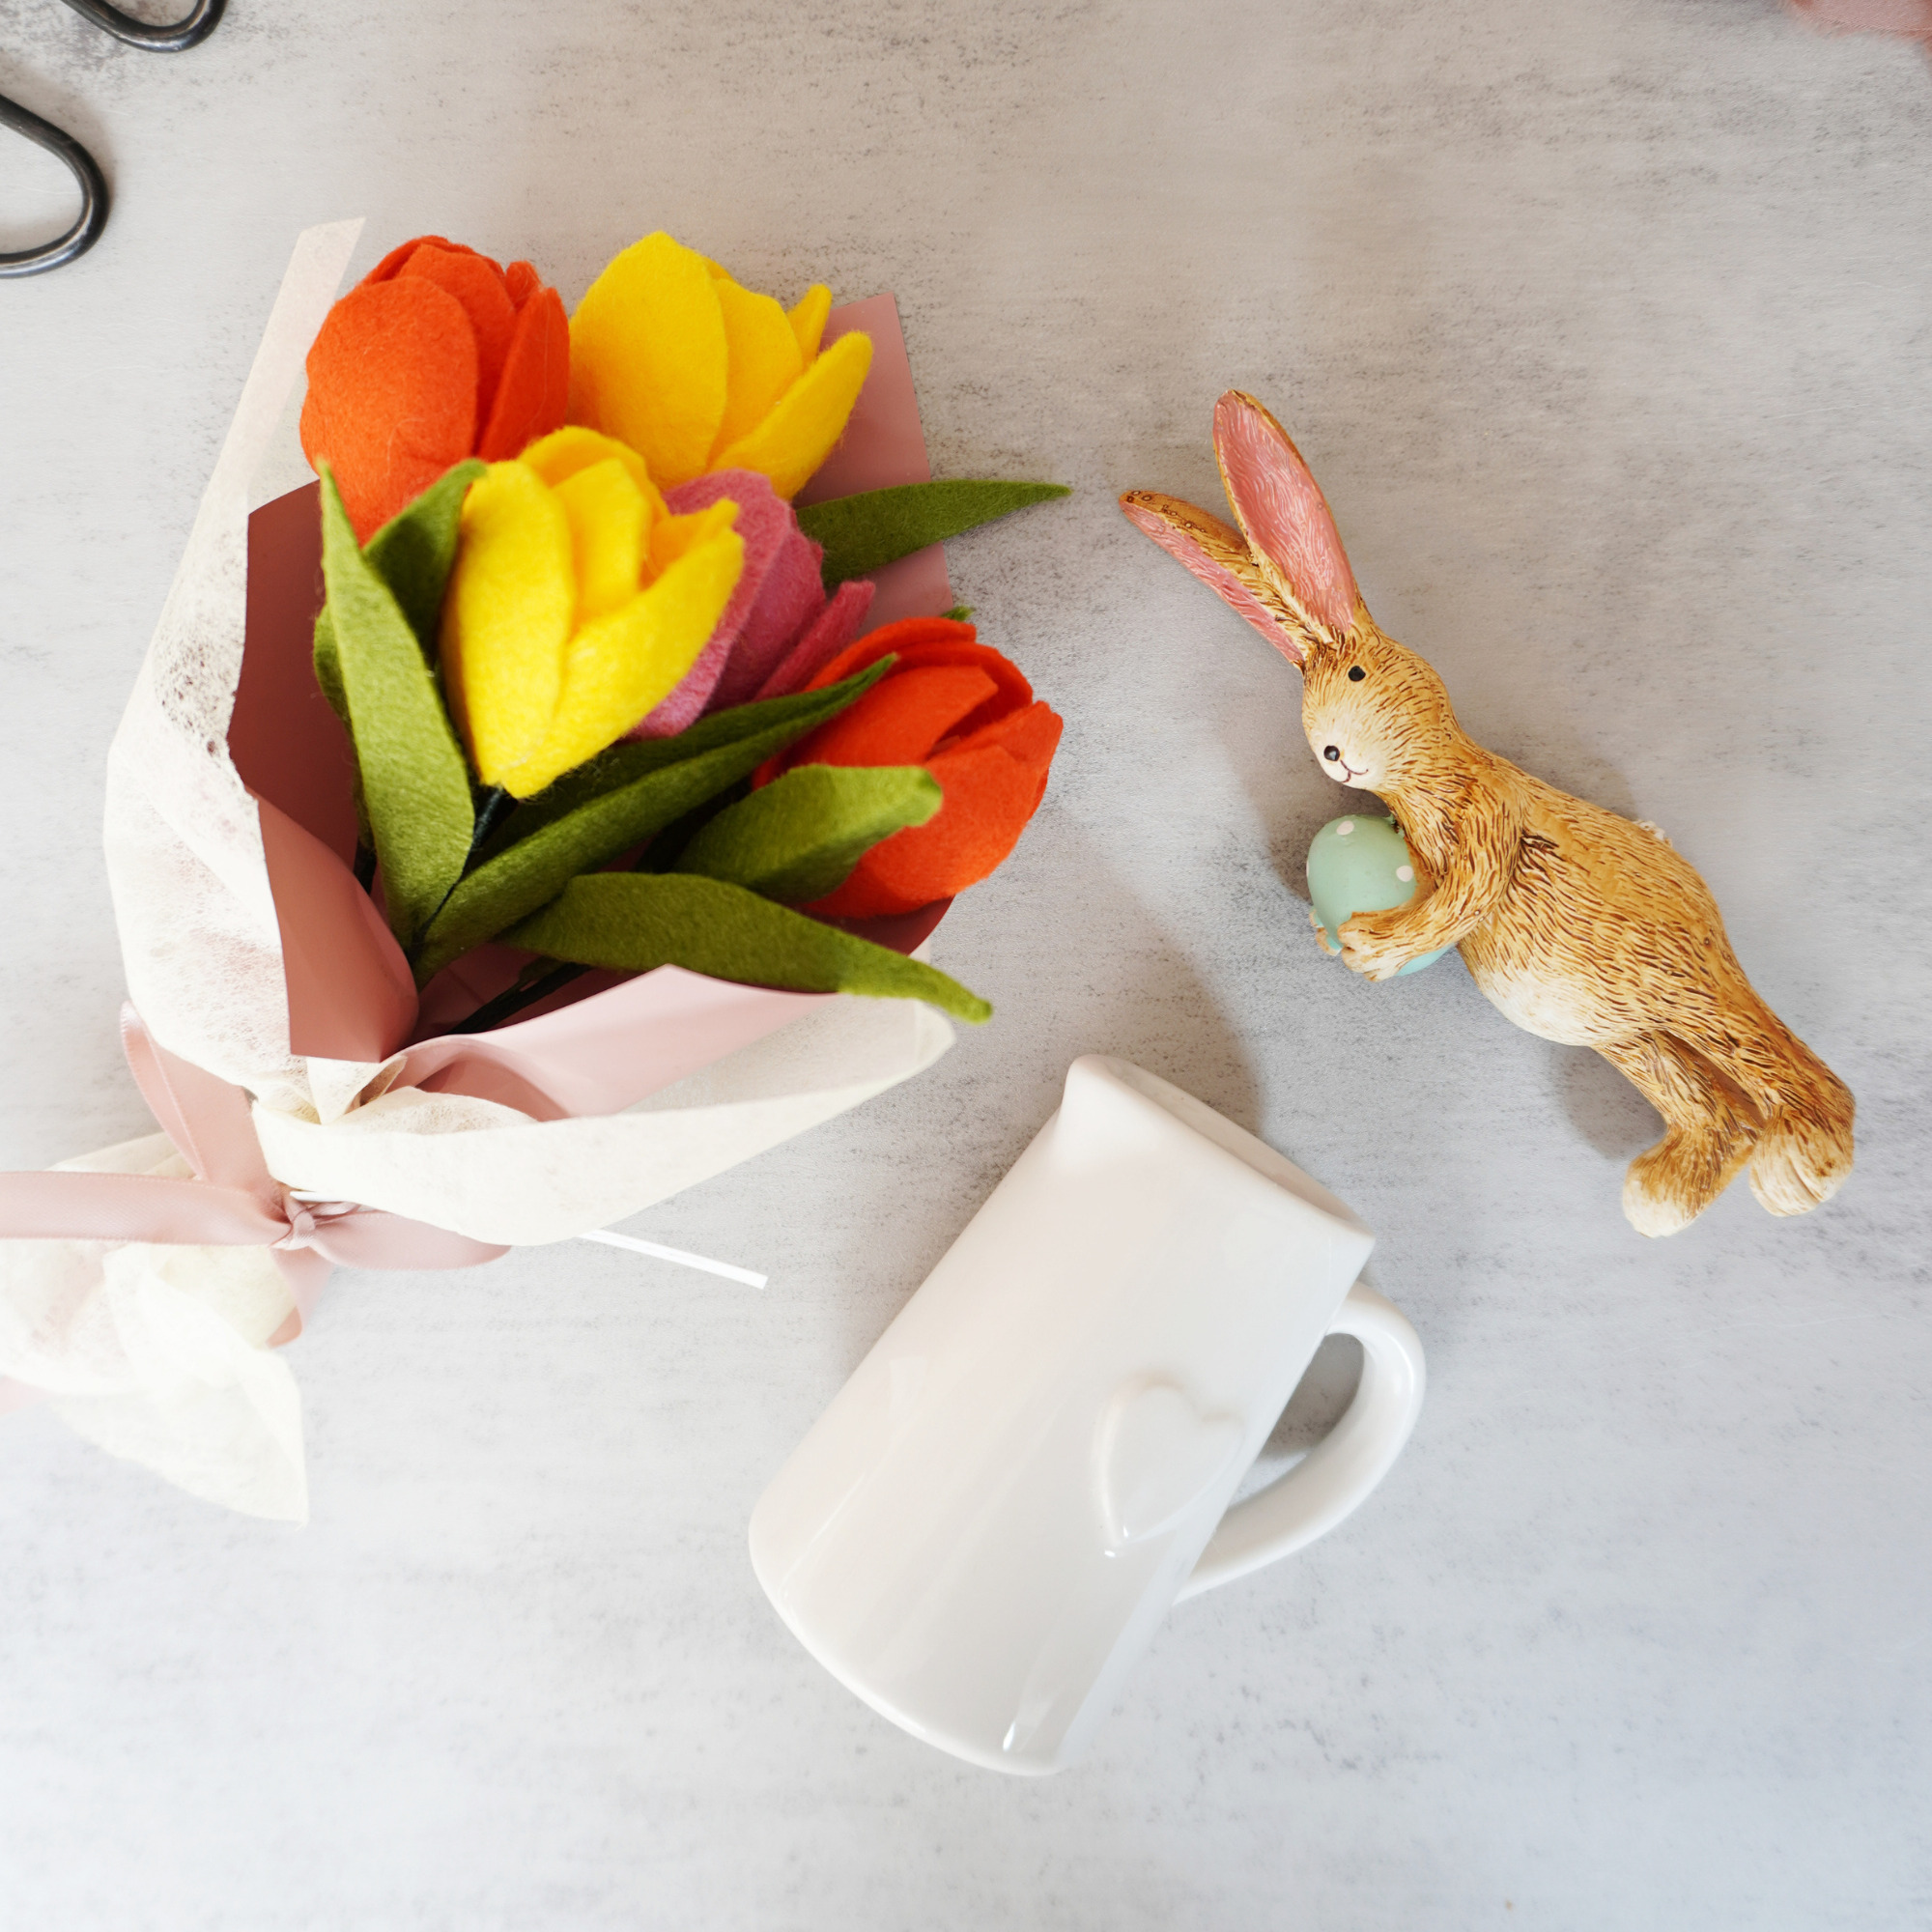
159 1353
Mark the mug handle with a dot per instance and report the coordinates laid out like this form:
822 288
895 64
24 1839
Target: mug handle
1338 1473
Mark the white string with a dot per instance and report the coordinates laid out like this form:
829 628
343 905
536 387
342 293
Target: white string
665 1254
653 1248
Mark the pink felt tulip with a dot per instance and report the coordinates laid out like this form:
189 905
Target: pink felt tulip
780 628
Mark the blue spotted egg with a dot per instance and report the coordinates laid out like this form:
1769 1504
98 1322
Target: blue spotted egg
1360 865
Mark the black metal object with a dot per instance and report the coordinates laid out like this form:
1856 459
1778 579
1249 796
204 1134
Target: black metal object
174 38
92 217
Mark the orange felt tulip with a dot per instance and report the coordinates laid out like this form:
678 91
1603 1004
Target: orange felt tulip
964 712
436 355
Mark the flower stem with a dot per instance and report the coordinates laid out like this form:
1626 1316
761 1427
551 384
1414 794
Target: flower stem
489 815
496 1011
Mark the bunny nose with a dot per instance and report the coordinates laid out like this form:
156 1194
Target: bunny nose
1331 753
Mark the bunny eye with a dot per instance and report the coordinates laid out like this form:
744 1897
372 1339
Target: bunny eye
1356 674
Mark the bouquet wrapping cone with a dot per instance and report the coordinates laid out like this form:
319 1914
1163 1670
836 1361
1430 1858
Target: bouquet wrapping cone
246 953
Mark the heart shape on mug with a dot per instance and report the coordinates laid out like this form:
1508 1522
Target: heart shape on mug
1156 1455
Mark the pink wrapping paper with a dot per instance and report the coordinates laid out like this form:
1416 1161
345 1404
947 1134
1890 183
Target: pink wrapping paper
883 446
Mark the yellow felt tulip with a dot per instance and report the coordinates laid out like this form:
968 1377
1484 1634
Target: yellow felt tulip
565 451
669 354
575 603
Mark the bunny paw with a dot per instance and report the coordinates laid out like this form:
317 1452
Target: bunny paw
1371 951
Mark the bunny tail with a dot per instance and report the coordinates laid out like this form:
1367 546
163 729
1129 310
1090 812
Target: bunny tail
1216 553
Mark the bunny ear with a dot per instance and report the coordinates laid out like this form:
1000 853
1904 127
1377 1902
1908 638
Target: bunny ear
1219 557
1285 517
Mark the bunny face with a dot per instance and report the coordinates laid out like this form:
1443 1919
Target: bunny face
1376 715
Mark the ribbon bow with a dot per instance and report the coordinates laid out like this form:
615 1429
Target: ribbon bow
233 1200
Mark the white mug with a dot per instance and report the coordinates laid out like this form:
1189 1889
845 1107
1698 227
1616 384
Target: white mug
981 1533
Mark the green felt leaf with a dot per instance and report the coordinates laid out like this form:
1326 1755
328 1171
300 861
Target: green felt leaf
328 675
329 665
522 877
798 837
863 533
415 786
623 764
413 552
637 921
664 849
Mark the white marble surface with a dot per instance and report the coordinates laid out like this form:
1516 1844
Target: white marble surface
1607 329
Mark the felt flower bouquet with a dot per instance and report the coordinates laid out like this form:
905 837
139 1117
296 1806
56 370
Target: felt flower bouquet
573 617
510 807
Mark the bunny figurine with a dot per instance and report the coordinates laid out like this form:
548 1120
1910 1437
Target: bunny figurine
1581 926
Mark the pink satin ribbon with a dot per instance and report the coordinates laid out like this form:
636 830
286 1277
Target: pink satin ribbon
232 1202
